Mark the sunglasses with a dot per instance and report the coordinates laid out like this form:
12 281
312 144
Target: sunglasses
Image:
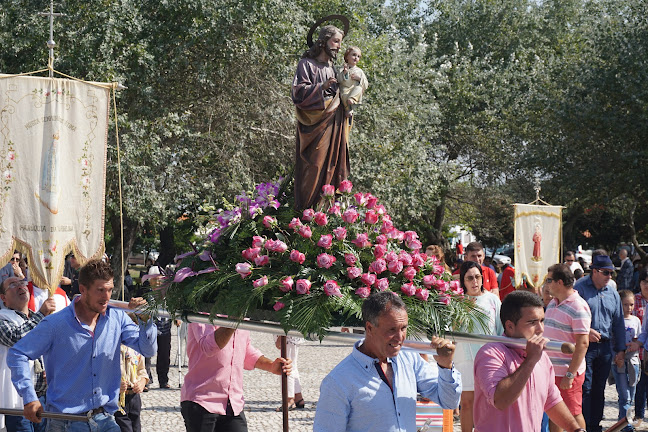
605 272
473 278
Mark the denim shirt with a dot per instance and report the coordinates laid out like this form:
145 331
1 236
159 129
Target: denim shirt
607 311
354 398
82 365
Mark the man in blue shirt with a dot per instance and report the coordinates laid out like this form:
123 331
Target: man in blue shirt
375 387
81 348
607 334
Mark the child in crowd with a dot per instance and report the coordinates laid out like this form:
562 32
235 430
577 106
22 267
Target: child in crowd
626 372
352 80
134 378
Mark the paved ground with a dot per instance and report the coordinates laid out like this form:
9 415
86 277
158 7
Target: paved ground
161 408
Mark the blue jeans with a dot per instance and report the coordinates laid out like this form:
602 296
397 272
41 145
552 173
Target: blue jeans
98 423
598 361
21 424
625 391
641 395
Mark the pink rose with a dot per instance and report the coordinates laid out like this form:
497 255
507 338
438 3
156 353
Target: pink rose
437 269
371 201
261 260
362 241
363 292
262 281
350 259
303 286
456 289
371 217
408 289
382 284
409 273
269 244
405 258
350 216
294 223
251 253
340 233
398 235
305 231
360 198
414 245
325 260
353 272
429 281
395 267
307 215
378 266
387 226
418 260
296 256
345 186
380 250
244 269
443 286
257 241
422 294
325 241
410 235
391 256
269 221
331 288
381 239
444 298
380 209
320 219
335 209
328 190
279 247
287 284
278 306
368 278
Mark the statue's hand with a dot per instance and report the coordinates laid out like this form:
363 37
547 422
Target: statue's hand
328 83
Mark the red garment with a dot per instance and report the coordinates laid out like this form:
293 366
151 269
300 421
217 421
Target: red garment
31 304
459 249
489 278
508 282
537 237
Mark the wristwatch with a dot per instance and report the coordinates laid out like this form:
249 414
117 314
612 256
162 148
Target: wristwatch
580 430
570 375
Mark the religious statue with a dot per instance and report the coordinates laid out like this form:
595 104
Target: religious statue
50 188
537 238
322 132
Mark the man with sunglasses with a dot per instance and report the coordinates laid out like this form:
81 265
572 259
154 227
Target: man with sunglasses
606 336
12 268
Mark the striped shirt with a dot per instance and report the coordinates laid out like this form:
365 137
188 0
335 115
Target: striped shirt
563 321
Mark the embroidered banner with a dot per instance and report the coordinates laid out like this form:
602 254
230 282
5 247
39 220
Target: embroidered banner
53 135
538 236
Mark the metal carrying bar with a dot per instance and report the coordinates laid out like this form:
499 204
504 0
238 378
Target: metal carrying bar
45 414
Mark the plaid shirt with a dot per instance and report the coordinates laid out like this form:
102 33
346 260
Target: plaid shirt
640 309
10 333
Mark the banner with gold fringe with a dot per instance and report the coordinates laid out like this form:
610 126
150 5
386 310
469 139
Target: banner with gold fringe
53 136
538 236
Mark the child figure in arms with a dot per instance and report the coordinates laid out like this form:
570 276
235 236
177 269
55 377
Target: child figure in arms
352 80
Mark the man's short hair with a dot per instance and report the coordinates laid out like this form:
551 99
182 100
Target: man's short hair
380 302
570 253
511 309
563 273
95 270
474 247
597 252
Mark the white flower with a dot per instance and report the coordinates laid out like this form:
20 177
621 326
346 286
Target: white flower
7 175
85 181
11 156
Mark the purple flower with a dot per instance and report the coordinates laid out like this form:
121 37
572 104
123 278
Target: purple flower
183 273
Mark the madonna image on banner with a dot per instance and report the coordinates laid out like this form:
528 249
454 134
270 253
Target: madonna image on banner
53 135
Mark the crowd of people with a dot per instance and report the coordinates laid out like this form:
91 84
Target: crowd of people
43 338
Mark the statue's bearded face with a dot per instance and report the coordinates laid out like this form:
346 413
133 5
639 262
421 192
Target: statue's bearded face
332 46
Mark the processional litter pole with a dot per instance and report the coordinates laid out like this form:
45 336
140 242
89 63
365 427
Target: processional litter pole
44 414
284 384
351 338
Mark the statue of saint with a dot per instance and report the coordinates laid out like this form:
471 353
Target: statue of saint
50 188
322 132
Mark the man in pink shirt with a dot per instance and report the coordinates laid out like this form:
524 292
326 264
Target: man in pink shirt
212 394
513 386
568 318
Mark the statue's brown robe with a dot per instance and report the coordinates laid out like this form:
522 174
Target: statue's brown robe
322 133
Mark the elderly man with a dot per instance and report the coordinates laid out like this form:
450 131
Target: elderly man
81 345
626 272
375 387
606 336
16 320
514 386
322 130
